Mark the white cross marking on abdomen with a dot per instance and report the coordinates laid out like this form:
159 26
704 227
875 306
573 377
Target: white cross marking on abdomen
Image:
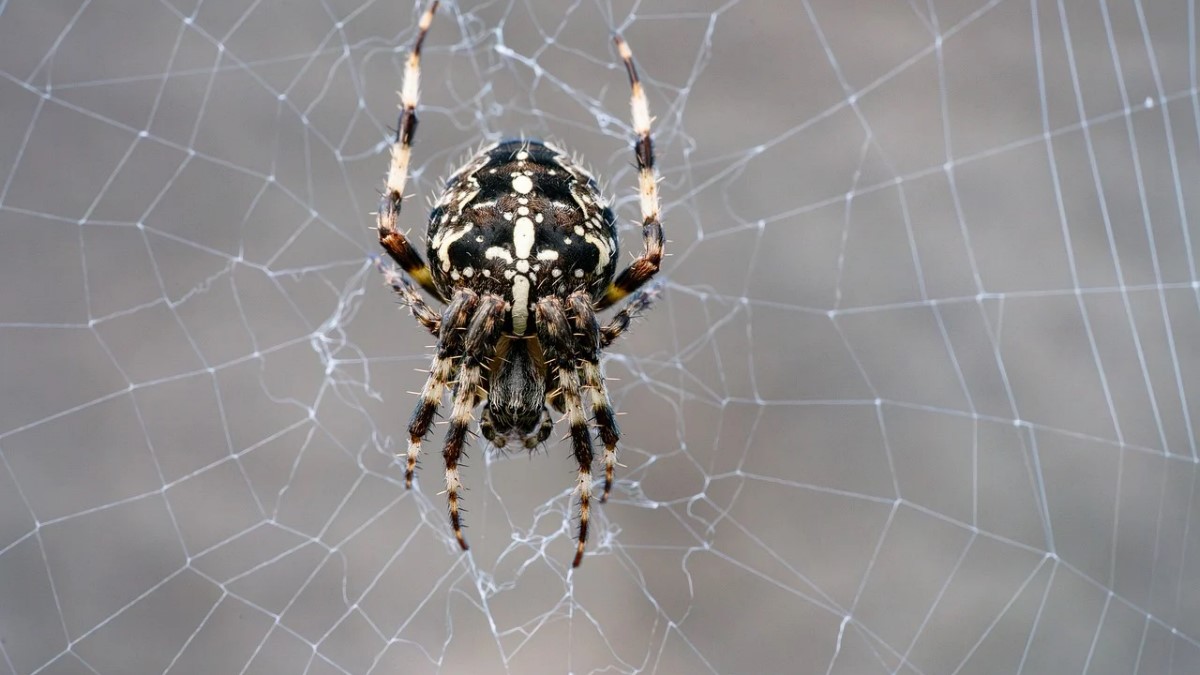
523 235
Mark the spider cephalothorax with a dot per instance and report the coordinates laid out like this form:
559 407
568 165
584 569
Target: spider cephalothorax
523 251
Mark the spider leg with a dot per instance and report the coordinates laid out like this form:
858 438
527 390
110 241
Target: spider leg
409 297
554 332
638 303
395 243
449 348
645 266
479 345
587 344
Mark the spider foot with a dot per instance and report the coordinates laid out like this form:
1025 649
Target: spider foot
610 462
453 487
414 451
585 494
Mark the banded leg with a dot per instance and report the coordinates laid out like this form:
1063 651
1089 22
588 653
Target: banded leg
637 305
587 350
554 332
395 243
410 298
645 266
450 347
478 347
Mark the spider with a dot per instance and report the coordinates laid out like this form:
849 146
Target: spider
524 251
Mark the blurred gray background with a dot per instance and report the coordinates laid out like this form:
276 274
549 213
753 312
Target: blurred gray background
920 396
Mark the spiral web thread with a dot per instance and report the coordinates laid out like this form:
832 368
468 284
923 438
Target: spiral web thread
920 396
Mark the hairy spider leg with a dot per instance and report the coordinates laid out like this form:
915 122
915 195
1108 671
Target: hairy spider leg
645 266
587 352
479 345
454 322
554 332
395 243
638 304
410 298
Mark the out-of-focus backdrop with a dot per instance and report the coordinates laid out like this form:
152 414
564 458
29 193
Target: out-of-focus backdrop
920 395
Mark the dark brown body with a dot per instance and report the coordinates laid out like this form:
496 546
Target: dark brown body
522 221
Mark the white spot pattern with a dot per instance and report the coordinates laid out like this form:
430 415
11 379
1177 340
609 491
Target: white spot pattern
520 262
443 246
523 235
602 250
498 252
522 184
520 304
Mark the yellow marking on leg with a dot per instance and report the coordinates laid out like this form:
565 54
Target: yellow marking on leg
422 276
613 294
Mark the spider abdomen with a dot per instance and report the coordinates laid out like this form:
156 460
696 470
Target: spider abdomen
522 221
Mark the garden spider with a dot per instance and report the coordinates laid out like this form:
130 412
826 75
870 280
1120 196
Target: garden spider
524 252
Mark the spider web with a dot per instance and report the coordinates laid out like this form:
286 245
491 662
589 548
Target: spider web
920 395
